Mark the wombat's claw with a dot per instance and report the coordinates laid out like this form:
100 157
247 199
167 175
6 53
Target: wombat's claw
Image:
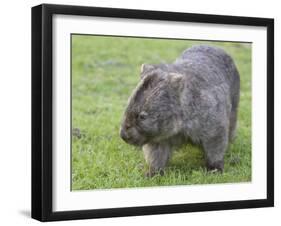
215 167
213 171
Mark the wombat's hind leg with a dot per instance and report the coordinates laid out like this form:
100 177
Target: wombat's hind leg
234 108
215 148
156 156
232 124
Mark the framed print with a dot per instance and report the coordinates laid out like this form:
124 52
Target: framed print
145 112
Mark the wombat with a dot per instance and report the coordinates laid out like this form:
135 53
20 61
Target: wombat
195 99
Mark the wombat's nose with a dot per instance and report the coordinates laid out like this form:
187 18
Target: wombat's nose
123 135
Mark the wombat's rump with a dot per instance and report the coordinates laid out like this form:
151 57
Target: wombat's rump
195 98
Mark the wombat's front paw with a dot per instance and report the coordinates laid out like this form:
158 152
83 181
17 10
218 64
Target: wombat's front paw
151 173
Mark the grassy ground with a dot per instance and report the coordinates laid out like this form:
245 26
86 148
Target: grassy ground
105 70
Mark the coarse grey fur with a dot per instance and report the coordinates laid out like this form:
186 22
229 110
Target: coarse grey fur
193 99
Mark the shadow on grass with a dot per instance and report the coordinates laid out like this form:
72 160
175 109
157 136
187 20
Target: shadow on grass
187 160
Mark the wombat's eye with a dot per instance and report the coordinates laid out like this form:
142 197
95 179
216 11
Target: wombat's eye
143 115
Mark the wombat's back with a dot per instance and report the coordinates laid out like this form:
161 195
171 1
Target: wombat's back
211 62
213 66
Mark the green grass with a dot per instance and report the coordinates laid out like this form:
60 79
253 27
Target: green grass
105 70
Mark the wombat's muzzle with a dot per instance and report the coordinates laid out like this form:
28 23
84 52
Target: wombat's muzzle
129 138
124 135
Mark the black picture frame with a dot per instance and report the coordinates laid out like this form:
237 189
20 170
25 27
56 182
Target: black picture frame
42 107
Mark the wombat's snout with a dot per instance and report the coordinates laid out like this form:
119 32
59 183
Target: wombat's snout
124 135
131 136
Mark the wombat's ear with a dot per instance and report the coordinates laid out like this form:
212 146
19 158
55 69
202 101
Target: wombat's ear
145 68
175 79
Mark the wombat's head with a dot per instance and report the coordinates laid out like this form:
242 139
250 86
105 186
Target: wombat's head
153 109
